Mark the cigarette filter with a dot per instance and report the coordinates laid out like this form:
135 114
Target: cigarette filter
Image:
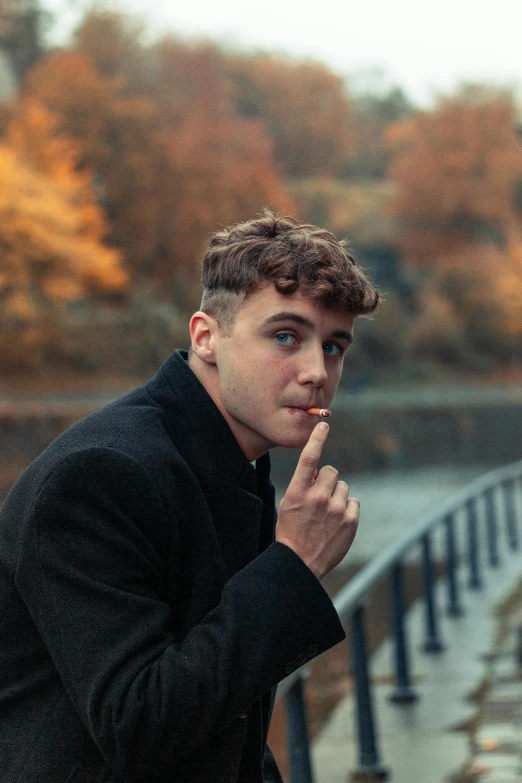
322 412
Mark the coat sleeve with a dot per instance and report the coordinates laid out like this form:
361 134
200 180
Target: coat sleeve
92 575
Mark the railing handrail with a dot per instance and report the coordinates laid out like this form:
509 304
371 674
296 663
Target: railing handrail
353 594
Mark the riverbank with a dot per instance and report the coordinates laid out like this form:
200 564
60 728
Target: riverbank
429 740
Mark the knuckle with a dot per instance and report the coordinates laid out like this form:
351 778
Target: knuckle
351 516
308 460
290 500
321 499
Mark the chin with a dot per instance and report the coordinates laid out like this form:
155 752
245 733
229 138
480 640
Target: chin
293 441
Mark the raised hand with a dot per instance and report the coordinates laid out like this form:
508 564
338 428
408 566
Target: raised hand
317 518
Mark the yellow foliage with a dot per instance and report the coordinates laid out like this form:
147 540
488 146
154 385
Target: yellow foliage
174 158
34 134
49 250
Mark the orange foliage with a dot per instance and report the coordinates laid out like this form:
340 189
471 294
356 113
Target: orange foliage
112 42
473 300
175 159
176 163
117 141
51 230
486 282
456 169
221 165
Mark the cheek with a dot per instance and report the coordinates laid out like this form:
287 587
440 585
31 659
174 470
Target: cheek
278 375
267 370
334 377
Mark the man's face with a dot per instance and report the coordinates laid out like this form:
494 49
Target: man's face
284 355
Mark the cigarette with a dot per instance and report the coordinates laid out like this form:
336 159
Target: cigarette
322 412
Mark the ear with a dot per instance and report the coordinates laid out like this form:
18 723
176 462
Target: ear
203 334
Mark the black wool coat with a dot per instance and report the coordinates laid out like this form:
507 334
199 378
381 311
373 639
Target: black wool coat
146 612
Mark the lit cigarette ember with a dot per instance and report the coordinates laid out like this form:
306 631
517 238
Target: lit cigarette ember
322 412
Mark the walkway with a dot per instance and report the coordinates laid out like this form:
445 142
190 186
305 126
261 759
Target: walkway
429 741
496 734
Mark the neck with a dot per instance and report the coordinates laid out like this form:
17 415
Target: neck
208 376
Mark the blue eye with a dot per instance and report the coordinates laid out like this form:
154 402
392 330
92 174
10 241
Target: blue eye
285 339
335 350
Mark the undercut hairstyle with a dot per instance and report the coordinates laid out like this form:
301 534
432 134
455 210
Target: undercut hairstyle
290 255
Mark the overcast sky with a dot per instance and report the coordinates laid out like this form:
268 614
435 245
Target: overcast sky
425 47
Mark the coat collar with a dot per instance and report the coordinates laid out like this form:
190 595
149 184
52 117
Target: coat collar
199 431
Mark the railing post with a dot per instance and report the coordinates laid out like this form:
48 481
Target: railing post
454 606
298 742
475 579
433 642
491 528
511 518
403 692
369 767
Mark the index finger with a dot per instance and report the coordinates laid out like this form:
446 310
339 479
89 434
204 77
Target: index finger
303 477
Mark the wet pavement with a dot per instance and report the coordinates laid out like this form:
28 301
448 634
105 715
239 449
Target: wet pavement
440 737
394 501
496 733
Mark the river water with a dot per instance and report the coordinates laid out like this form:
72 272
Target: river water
394 501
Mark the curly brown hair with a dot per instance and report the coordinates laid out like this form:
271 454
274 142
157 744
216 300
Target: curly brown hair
291 255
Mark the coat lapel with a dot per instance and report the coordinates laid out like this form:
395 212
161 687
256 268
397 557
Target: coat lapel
205 441
237 518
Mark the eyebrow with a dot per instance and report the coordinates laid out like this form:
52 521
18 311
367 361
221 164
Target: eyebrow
301 320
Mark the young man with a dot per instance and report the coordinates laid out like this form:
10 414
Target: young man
148 604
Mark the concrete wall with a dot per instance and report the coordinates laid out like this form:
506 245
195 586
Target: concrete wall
366 433
369 437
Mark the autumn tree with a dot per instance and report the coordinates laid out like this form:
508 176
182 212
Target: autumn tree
471 308
113 42
51 234
456 169
222 167
456 173
305 107
116 142
174 159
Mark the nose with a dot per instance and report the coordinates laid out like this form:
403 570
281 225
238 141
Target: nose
313 370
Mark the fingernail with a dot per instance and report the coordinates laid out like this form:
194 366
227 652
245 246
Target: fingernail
323 426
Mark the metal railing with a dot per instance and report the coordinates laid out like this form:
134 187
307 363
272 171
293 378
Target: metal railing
497 493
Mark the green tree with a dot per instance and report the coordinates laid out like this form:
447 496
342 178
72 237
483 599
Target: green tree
305 107
373 113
